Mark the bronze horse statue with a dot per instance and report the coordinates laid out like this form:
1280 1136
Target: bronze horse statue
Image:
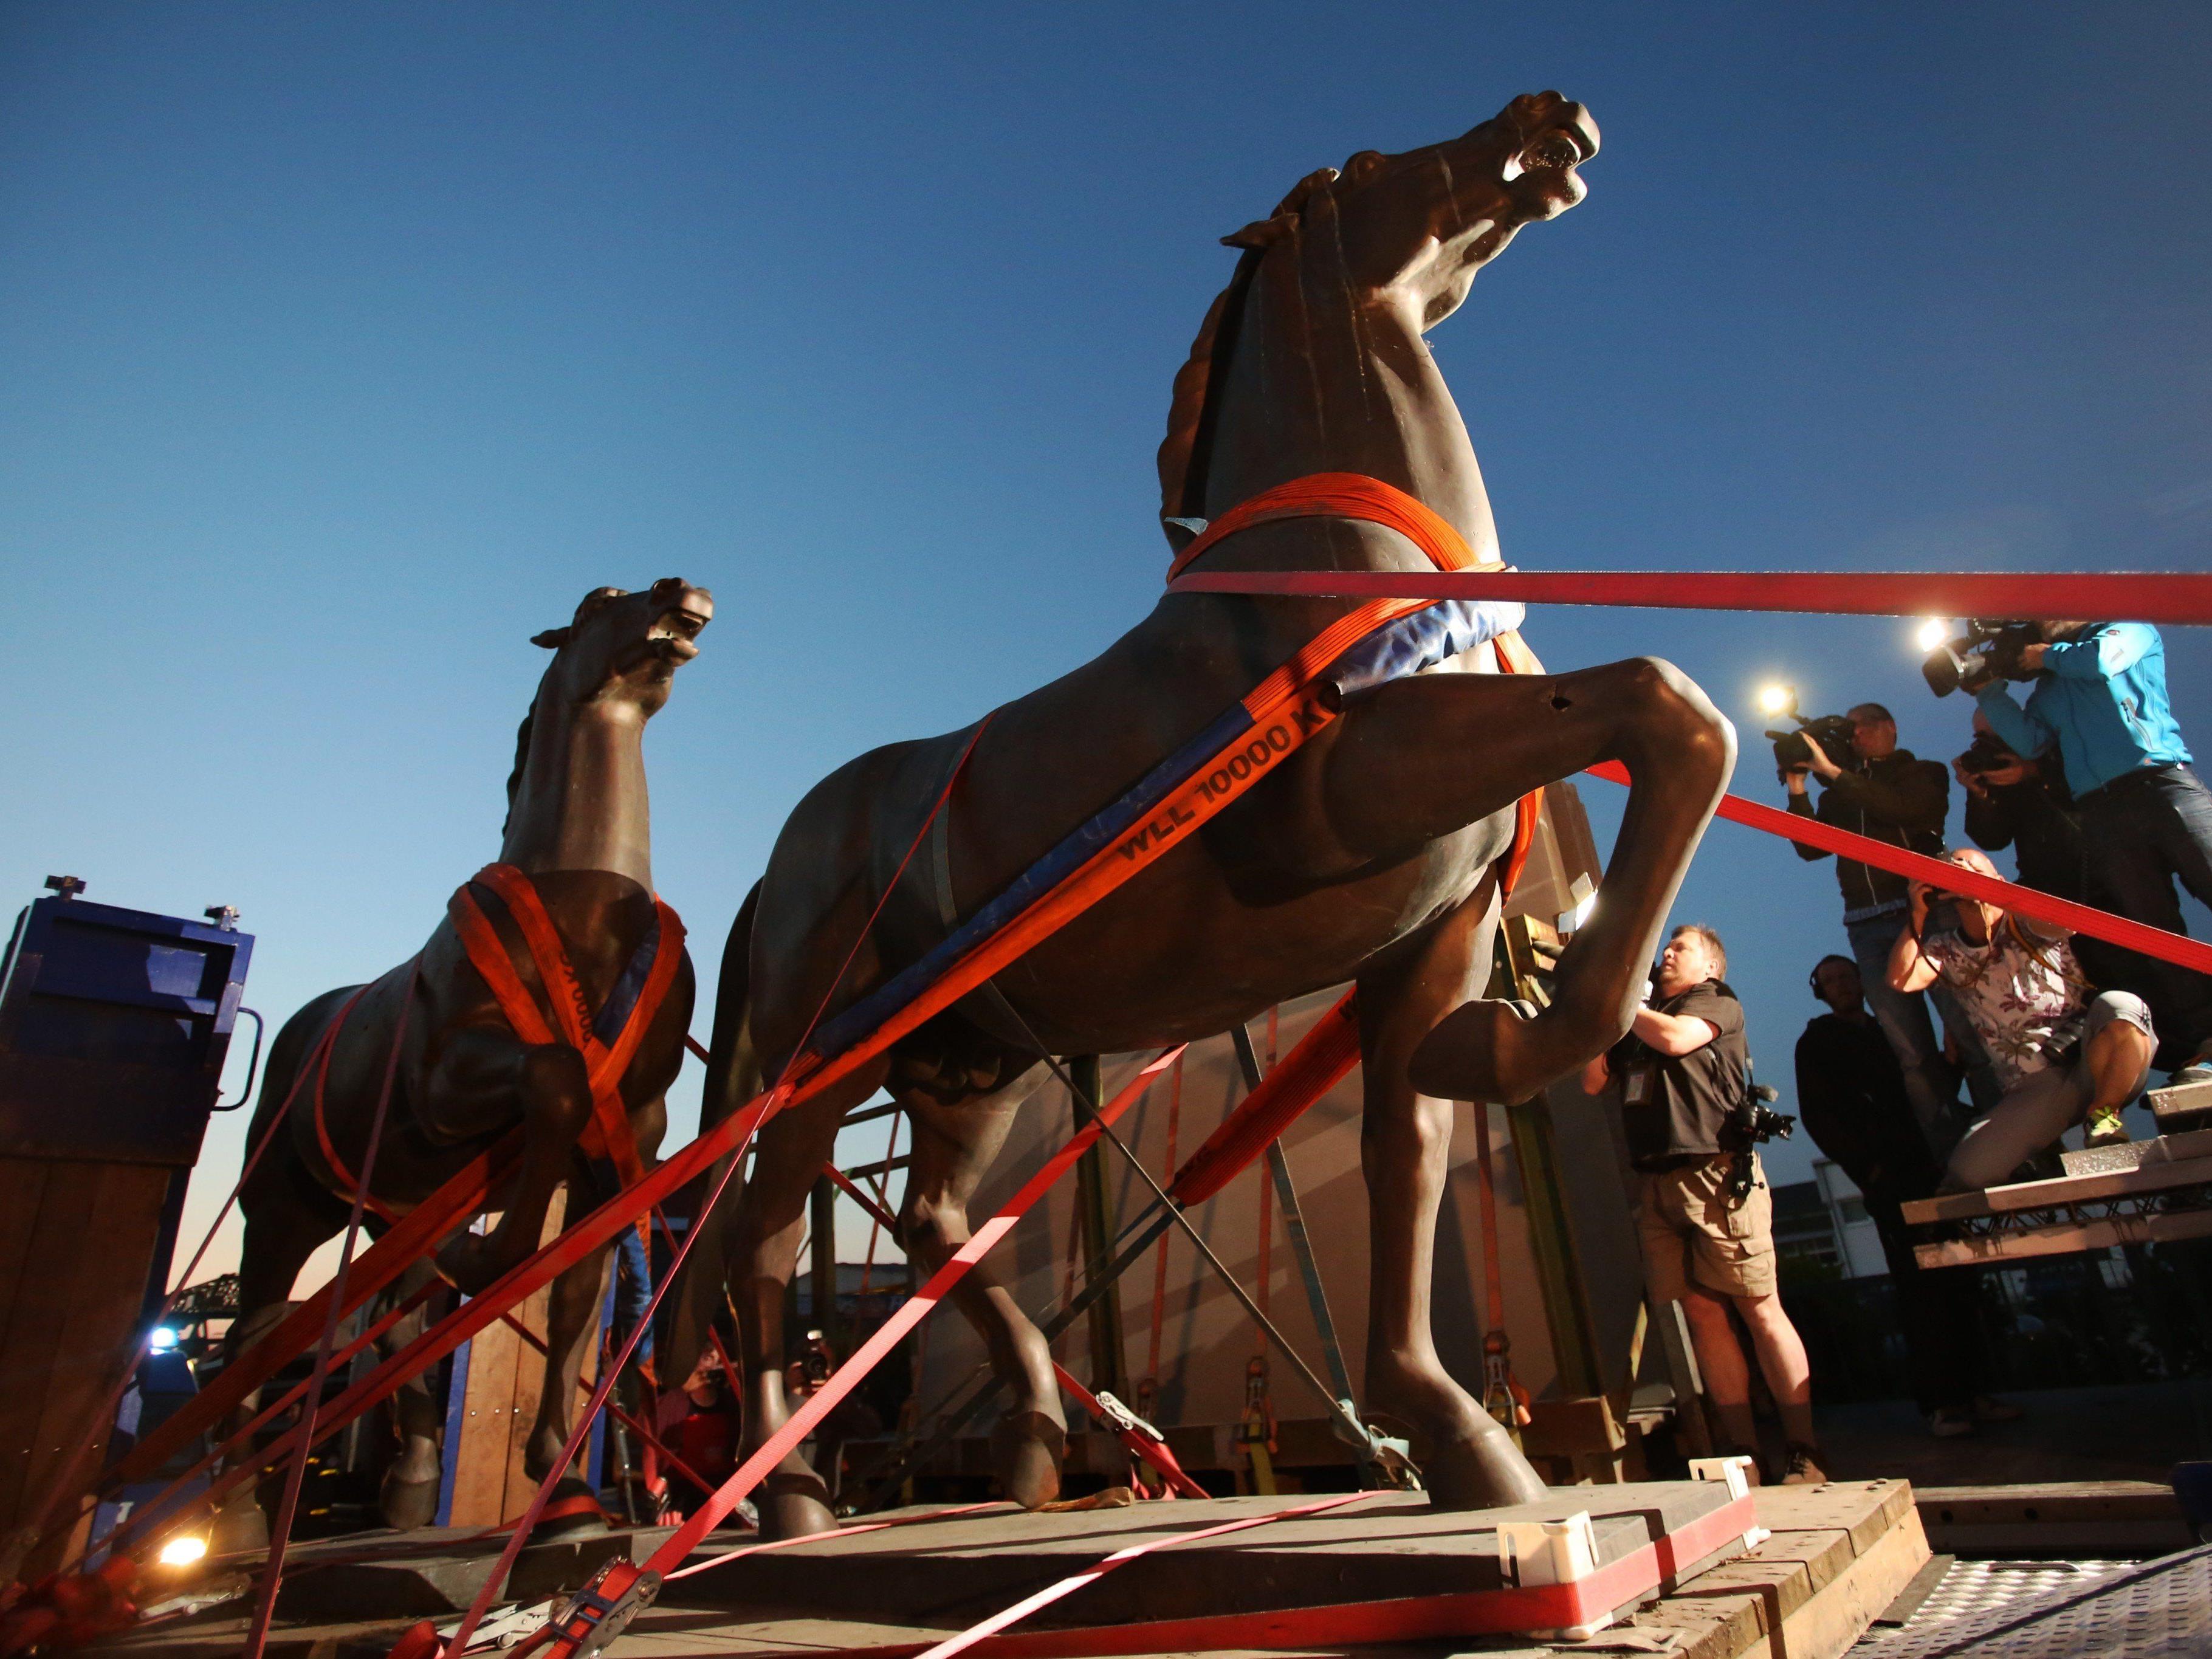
463 1078
1373 854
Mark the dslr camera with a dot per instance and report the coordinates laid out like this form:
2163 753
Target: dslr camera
1984 652
1753 1122
1793 751
1986 754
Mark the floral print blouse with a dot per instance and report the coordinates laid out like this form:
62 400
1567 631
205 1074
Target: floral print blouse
2027 1005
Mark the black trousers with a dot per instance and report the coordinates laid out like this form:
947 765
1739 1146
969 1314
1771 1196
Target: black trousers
1940 1308
2147 831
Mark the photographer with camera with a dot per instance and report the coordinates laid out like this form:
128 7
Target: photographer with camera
1887 794
2099 701
1851 1094
2066 1052
2013 801
1704 1218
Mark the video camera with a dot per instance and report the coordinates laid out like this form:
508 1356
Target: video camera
1984 652
1752 1122
1793 751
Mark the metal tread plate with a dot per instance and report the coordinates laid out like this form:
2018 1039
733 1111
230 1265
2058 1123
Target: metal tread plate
2158 1609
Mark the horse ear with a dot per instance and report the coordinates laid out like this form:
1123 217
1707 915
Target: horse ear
1261 232
552 639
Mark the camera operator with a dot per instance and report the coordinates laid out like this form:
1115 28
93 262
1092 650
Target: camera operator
2099 701
1681 1074
1851 1092
2065 1051
1888 795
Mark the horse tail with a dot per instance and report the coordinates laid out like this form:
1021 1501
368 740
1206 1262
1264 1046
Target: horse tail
733 1077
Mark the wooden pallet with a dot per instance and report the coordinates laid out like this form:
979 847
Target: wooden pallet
1838 1555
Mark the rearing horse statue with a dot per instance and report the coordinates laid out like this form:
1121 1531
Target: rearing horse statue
552 1000
1372 854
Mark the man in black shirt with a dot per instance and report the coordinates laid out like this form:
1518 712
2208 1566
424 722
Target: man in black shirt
1681 1070
1888 795
1851 1097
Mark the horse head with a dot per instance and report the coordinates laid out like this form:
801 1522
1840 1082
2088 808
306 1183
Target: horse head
623 647
1353 263
1417 225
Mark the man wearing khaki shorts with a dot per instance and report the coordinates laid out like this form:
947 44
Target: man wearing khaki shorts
1681 1070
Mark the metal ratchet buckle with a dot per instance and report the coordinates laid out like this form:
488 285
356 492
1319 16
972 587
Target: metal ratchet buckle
603 1609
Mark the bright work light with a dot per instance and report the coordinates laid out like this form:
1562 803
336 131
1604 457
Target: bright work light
183 1550
1777 699
1933 632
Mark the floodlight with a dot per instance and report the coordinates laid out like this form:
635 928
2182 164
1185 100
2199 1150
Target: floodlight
1933 632
183 1550
1777 699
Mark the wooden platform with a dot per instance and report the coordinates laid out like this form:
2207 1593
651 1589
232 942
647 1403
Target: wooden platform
2143 1192
1838 1555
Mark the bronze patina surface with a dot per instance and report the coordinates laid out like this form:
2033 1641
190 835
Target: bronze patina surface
578 825
1373 855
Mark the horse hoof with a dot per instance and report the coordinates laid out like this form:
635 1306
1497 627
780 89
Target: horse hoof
794 1506
1485 1473
407 1505
573 1511
1026 1448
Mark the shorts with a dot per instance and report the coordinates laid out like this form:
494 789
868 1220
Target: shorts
2039 1108
1691 1233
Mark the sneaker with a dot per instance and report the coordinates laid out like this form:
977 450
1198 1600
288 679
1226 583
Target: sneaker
1802 1467
2107 1130
1950 1422
1989 1410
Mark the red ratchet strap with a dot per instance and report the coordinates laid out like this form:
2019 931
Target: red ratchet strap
841 1382
1284 711
320 1063
303 1435
854 1531
2176 597
1134 1440
1355 496
1409 1618
2177 948
1313 1067
411 1239
608 1135
1121 1558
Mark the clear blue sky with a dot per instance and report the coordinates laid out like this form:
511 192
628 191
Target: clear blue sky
342 347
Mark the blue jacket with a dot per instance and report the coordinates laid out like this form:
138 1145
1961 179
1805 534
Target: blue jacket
2101 699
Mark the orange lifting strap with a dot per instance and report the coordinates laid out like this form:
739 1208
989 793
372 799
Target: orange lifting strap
1355 496
608 1135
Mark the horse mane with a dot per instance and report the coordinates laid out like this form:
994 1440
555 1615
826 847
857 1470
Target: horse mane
521 759
1186 449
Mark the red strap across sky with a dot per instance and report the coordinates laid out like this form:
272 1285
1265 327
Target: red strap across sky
2177 948
2025 596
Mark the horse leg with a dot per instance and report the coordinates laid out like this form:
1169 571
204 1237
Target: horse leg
1422 757
953 1146
571 1324
284 1225
484 1078
765 1233
1467 1461
409 1494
